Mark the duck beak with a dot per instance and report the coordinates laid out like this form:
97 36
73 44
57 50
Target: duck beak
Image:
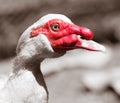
85 37
90 45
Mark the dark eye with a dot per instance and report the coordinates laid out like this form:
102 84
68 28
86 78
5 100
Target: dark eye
55 27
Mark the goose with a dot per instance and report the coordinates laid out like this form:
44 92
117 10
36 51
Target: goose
51 36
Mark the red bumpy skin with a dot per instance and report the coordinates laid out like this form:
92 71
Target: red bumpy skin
63 35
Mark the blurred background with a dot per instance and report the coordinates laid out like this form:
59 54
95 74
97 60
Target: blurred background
79 76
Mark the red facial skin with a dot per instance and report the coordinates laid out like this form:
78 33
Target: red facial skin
64 36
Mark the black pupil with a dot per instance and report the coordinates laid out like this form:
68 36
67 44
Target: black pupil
55 27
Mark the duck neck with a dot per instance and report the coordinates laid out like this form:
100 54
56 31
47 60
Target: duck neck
30 54
21 63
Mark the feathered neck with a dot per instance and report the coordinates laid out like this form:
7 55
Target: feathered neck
23 64
30 56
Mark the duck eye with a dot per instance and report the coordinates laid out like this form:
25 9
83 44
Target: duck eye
55 27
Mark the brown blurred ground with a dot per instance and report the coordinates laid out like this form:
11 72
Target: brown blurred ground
66 87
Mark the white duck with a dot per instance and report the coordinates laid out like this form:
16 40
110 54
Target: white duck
51 36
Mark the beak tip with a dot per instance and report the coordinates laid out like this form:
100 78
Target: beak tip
102 49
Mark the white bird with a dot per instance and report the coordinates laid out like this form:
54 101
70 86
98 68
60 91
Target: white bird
50 36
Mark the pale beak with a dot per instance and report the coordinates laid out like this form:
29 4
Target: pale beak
84 39
90 45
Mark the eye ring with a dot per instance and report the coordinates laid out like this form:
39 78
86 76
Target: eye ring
55 27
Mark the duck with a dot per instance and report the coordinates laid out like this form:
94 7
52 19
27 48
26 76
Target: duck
50 37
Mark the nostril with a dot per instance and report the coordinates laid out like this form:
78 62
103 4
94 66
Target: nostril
82 37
